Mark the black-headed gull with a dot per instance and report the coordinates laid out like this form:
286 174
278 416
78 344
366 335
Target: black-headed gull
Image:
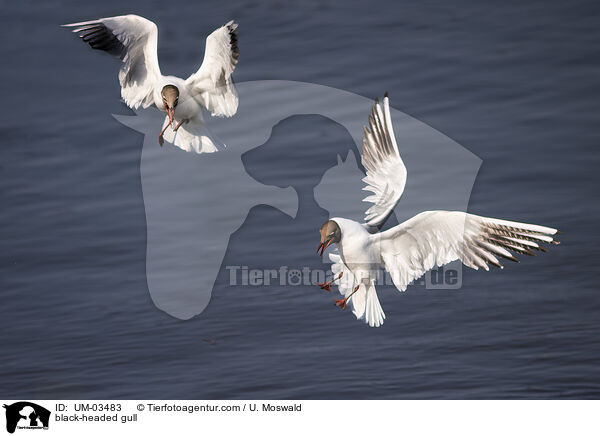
408 250
133 39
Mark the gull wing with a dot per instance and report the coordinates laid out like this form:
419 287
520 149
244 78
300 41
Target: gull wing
386 173
212 83
435 238
132 39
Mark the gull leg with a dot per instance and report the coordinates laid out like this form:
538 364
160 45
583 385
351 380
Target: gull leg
342 303
327 285
178 125
161 140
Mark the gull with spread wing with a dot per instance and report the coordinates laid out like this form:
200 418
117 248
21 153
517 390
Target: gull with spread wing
409 250
133 39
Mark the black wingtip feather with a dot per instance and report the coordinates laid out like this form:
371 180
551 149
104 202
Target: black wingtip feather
233 40
100 37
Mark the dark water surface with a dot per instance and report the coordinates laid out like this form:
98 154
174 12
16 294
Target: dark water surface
516 83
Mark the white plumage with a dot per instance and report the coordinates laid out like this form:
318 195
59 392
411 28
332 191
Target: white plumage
409 250
133 39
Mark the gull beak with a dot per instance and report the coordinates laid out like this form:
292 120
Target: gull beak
171 113
323 246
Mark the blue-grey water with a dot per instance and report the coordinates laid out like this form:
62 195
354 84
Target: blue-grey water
517 83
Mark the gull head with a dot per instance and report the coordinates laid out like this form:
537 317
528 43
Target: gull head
330 233
170 98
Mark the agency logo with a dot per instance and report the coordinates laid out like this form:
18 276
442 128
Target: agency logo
209 195
26 415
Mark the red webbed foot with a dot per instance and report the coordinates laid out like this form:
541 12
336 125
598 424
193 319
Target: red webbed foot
326 286
341 303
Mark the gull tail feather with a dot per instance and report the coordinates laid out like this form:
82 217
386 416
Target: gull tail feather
193 137
374 314
366 305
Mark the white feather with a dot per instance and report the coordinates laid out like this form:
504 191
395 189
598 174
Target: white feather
386 173
435 238
212 82
139 69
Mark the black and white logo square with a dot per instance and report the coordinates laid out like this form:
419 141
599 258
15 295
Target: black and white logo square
26 415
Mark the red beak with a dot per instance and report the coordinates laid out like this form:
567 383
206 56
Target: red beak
323 246
171 113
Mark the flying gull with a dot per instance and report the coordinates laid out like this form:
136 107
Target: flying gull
410 249
133 39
